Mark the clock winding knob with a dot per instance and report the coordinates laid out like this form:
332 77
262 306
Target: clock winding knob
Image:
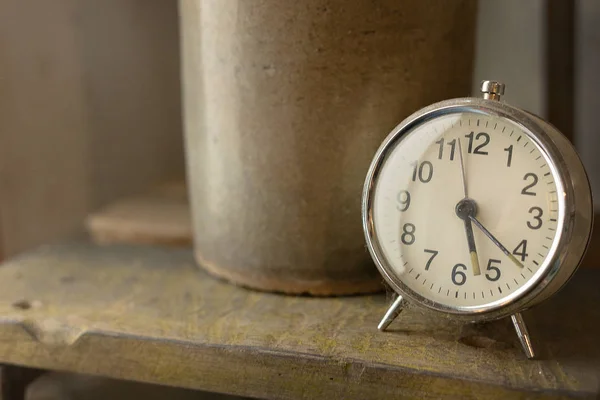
492 90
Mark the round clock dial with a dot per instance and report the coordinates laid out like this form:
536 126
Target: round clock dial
467 211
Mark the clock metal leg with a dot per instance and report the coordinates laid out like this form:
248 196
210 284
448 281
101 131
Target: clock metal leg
391 314
523 334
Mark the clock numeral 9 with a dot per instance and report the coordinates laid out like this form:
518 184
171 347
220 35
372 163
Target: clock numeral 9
403 199
496 271
459 277
408 234
481 135
534 181
537 224
424 172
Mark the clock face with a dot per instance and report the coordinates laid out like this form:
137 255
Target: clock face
473 251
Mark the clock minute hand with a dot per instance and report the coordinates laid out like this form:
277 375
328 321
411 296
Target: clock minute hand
495 241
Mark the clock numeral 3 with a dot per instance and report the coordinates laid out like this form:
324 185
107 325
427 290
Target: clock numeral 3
424 172
495 270
537 224
408 234
534 181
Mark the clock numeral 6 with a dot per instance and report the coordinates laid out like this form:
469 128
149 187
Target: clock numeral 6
459 277
403 198
424 172
495 270
408 234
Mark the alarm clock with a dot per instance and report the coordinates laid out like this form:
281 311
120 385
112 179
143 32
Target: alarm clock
476 209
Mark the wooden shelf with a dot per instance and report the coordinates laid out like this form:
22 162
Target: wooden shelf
148 314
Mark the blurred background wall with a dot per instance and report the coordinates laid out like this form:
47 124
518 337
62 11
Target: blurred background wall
89 110
511 48
90 99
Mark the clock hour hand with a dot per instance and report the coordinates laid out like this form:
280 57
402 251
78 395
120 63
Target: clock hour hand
495 241
472 248
464 210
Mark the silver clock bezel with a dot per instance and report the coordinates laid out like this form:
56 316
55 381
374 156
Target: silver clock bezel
575 207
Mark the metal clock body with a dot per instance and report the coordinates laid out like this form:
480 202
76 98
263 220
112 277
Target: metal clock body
476 209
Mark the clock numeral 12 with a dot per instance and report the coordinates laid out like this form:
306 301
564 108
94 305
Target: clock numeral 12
478 149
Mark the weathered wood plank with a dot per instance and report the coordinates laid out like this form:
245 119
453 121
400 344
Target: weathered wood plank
150 315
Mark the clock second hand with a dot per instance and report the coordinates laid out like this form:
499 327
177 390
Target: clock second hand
464 215
495 241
